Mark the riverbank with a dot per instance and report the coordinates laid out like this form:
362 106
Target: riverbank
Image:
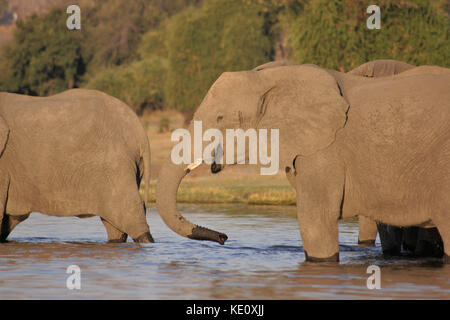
233 187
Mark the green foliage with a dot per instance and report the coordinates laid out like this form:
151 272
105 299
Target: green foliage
153 44
113 29
333 34
3 7
158 53
139 84
203 43
44 57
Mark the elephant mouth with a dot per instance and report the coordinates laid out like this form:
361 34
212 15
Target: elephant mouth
216 168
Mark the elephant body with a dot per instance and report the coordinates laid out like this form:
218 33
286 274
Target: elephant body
368 228
402 140
78 153
376 147
419 241
381 68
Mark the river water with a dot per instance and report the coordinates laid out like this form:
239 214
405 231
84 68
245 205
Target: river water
263 259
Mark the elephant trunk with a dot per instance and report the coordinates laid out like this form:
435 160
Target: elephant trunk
169 180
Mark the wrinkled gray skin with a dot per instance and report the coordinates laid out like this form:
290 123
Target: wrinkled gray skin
419 241
78 153
374 147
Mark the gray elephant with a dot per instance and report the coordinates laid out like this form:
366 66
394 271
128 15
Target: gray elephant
422 242
78 153
375 147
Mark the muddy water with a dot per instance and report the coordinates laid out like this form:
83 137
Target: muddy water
263 259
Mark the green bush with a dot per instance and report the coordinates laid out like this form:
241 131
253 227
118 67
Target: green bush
203 43
157 53
44 57
153 44
113 29
333 34
139 84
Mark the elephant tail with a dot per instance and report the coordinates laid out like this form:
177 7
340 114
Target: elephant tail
146 159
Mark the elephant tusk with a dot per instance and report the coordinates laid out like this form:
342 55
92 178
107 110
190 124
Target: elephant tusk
194 165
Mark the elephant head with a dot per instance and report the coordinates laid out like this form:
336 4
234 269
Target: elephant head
304 102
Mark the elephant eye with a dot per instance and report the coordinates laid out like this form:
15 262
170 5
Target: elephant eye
219 118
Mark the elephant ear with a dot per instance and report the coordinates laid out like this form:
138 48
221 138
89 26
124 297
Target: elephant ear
306 104
4 133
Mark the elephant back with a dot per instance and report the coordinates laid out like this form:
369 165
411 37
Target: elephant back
381 68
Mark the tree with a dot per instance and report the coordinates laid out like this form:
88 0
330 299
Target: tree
333 34
114 29
204 42
44 58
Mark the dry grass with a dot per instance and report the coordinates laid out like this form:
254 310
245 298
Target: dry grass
211 191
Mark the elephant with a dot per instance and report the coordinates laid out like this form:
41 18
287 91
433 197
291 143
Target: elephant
78 153
376 147
368 229
379 68
419 241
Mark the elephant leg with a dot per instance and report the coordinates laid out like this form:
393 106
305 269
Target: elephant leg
391 239
127 213
144 236
367 232
114 234
9 222
320 186
130 221
429 243
410 236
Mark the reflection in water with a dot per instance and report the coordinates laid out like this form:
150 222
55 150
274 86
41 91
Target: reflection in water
263 259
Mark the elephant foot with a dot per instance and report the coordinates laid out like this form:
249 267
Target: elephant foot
144 238
333 258
122 239
366 243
